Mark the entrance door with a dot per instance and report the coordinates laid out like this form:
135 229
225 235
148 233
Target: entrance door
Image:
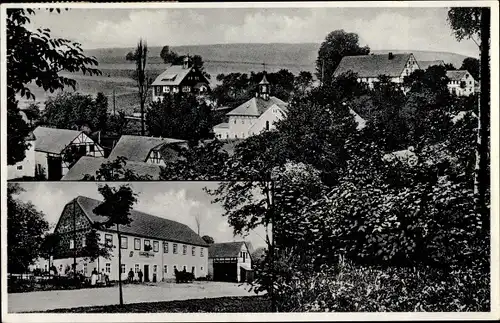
226 272
146 273
54 171
243 275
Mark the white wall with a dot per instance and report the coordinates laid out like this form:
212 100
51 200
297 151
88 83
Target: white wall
239 126
272 115
455 88
221 133
26 167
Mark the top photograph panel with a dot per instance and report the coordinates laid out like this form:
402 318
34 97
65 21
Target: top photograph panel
231 93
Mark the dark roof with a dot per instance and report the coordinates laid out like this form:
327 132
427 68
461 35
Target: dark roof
90 165
256 106
146 225
426 64
138 148
52 140
456 75
373 65
225 249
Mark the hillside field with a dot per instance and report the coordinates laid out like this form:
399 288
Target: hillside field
219 58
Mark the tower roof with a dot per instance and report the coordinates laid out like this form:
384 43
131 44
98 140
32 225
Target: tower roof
264 80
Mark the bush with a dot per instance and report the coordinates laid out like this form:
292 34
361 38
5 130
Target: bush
352 288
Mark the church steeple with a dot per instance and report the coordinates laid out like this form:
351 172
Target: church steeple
264 88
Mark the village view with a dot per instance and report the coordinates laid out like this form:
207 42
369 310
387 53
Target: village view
365 175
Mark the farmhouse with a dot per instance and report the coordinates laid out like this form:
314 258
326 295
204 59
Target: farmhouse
155 245
90 166
180 78
150 150
461 82
230 261
57 149
258 114
370 67
26 167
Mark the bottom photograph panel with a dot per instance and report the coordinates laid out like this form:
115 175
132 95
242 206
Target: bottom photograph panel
86 247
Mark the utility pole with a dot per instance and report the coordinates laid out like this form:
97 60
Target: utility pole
114 102
74 239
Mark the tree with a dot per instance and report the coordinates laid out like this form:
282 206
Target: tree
32 113
130 56
208 239
303 81
35 57
449 67
93 248
474 23
168 56
142 78
49 245
115 170
26 227
472 65
337 44
74 110
180 116
116 208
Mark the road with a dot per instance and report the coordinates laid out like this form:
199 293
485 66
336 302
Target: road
45 300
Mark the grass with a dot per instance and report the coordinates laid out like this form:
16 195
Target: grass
240 304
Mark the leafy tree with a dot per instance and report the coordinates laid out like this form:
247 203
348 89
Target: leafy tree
32 113
33 56
208 239
26 227
142 78
116 208
336 45
449 67
117 123
180 116
49 245
130 56
472 65
303 81
168 56
73 110
93 248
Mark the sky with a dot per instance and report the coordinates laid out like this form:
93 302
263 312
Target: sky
178 201
379 28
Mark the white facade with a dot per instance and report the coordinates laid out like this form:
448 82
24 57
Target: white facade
160 261
243 262
26 167
221 131
410 67
241 127
462 87
267 120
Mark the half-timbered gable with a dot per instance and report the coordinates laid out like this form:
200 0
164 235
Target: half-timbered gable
230 261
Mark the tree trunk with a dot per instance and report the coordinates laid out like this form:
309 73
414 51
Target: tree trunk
119 264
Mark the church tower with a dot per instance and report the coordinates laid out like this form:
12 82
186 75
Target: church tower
264 88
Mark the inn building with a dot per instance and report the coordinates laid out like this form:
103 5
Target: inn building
151 244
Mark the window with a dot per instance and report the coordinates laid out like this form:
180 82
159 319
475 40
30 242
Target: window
136 268
242 121
234 121
91 148
20 167
175 248
201 268
166 89
46 267
186 89
201 251
108 268
184 249
165 247
124 243
155 268
147 245
156 246
108 238
84 269
267 125
175 268
123 271
137 244
193 251
193 269
71 244
165 269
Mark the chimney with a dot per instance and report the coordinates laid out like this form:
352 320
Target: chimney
185 63
391 56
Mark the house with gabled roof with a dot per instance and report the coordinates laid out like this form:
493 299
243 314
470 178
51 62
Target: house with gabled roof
56 150
370 67
153 150
258 114
461 82
153 244
183 78
230 261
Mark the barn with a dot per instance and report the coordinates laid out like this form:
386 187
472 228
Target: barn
230 262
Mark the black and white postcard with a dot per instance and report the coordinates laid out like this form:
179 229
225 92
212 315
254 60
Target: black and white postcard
249 161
